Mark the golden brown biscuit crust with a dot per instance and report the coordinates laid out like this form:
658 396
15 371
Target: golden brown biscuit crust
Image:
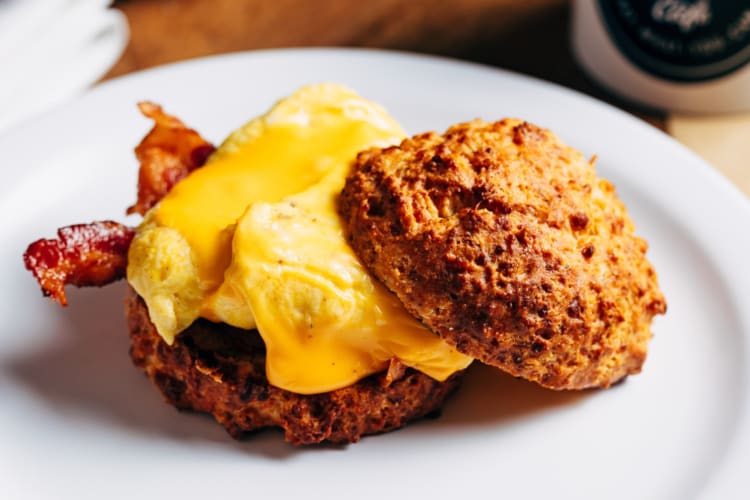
218 369
503 241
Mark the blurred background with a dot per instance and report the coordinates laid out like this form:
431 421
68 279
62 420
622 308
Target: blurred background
529 36
532 37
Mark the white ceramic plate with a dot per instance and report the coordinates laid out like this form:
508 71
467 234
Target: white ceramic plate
78 421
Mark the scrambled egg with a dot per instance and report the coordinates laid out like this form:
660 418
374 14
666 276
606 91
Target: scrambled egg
253 239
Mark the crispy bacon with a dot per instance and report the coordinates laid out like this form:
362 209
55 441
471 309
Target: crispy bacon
168 153
96 254
396 371
92 254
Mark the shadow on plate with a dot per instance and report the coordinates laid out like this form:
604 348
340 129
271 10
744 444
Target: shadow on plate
85 369
488 396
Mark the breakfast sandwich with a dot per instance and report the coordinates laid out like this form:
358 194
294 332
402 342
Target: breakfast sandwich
322 273
245 300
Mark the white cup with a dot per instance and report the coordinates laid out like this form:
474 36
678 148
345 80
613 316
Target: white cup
52 49
674 55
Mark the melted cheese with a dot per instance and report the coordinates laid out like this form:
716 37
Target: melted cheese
253 239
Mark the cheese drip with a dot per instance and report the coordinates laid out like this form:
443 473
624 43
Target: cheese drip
252 239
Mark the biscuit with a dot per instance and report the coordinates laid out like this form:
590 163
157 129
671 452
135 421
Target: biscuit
504 241
220 370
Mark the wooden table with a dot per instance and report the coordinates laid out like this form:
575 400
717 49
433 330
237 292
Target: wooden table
529 36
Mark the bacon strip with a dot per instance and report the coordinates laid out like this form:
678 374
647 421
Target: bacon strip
168 153
92 254
96 254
